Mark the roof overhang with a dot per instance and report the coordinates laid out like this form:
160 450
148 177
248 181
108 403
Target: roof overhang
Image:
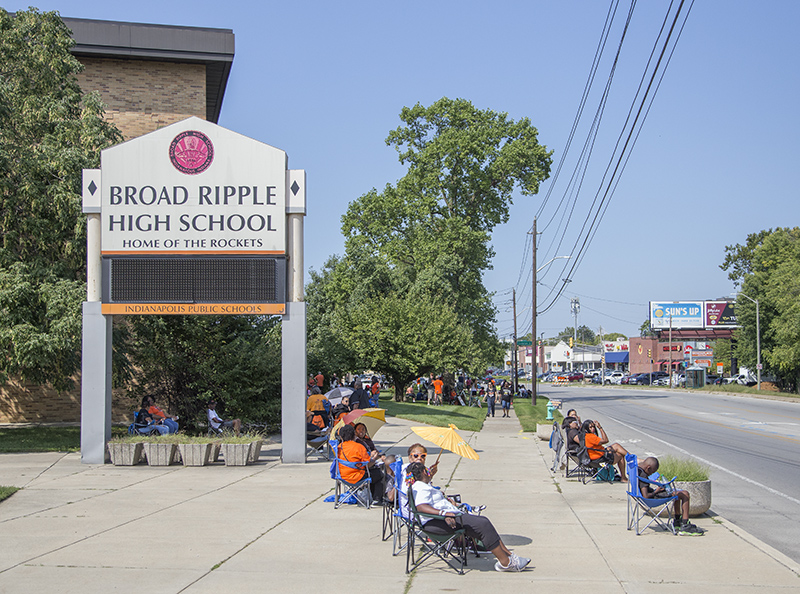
213 48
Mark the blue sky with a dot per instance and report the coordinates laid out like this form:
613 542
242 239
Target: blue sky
714 160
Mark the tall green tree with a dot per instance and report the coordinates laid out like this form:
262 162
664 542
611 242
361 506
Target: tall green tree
767 268
49 132
432 229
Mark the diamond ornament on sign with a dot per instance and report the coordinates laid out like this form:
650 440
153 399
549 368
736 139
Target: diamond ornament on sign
92 188
295 188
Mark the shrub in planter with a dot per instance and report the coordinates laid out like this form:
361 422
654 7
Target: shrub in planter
240 450
160 453
691 476
196 452
126 451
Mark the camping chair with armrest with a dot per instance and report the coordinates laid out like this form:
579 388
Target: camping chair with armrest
390 525
449 546
559 447
344 489
640 507
317 443
585 468
137 428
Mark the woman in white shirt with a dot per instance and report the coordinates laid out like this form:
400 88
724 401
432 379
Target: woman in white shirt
432 501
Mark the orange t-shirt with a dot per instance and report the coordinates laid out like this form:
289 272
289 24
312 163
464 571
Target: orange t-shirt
594 446
437 386
352 451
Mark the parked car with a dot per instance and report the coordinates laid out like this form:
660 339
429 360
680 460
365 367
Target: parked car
575 376
625 379
597 379
639 379
613 378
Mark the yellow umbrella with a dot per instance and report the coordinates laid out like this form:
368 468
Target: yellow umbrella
447 438
373 418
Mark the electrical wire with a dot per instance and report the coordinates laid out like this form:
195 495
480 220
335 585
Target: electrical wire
623 155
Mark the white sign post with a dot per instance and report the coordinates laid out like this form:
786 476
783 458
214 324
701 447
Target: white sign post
192 219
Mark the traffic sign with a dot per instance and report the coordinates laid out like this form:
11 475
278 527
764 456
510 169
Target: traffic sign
524 343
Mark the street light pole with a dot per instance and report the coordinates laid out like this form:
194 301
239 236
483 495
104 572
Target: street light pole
758 340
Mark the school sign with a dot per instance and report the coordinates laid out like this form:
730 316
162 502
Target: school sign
192 219
193 222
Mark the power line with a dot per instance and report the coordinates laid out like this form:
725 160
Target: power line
623 156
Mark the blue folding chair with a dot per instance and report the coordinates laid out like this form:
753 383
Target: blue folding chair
640 507
137 428
359 491
395 516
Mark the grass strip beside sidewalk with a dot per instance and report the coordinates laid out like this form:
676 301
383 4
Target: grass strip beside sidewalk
6 492
468 418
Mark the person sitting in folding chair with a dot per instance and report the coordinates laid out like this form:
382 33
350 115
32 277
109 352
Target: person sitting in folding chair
352 451
430 500
595 438
681 522
217 425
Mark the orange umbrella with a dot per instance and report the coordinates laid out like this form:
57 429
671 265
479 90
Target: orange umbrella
373 418
448 439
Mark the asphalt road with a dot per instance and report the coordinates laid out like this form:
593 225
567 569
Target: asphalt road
752 446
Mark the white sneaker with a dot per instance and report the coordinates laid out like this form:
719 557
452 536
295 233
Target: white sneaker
515 563
520 562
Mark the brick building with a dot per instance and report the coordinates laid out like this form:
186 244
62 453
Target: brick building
149 76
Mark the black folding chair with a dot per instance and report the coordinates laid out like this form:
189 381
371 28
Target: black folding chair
449 546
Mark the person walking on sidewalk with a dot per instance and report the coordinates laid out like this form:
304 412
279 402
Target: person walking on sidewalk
491 397
681 522
505 398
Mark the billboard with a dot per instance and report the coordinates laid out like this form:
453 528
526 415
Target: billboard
676 314
692 314
720 313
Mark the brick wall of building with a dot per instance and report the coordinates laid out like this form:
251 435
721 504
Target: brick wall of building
143 96
22 402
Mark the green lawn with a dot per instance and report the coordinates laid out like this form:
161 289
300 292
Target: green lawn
464 417
40 439
6 492
529 415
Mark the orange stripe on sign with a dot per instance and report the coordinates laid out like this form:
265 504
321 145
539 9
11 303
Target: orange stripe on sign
192 309
195 253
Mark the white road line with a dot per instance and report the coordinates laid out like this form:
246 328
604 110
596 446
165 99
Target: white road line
709 463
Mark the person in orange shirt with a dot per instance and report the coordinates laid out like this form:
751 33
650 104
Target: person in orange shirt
438 384
352 451
319 379
595 439
316 404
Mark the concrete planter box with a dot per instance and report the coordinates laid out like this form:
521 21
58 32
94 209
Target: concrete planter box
236 454
160 454
216 448
255 451
699 496
195 454
543 431
125 454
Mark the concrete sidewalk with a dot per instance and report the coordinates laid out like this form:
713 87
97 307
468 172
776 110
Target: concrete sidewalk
78 528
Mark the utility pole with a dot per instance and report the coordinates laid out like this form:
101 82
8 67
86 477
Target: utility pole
602 358
670 351
535 366
575 306
514 353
